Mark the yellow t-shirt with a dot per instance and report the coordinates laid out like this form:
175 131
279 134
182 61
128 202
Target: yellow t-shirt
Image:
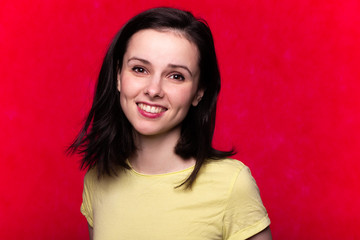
224 203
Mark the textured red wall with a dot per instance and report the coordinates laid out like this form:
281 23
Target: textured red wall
289 103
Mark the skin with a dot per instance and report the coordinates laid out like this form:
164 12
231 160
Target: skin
263 235
91 233
160 69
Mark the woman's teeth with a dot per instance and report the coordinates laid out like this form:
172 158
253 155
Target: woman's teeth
150 109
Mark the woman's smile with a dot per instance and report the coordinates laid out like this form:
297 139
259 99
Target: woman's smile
151 111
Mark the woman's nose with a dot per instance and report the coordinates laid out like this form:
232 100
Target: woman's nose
154 87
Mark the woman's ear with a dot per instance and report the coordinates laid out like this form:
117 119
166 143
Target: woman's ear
118 81
197 98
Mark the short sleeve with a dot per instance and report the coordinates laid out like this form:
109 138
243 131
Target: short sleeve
245 214
86 206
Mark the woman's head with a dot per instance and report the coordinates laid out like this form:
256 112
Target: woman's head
107 133
197 32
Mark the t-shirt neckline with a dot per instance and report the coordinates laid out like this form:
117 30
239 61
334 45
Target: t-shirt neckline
159 174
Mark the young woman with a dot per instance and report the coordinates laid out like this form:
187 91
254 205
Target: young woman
153 173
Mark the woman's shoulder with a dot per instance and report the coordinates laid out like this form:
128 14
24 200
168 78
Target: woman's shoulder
224 171
91 174
225 177
226 165
90 178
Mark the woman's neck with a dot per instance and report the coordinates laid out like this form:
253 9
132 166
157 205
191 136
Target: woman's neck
156 155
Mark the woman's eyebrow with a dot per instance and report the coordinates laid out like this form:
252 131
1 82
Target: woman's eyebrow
180 66
138 59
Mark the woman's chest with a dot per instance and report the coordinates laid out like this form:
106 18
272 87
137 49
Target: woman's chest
158 211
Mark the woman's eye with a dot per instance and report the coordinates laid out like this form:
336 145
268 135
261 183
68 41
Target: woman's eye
139 69
177 77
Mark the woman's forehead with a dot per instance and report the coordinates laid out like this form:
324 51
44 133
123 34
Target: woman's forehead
165 46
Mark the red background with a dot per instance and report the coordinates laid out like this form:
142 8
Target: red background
289 104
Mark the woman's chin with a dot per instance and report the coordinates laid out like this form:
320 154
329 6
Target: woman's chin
156 132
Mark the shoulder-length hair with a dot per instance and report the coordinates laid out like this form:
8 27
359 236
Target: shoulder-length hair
107 137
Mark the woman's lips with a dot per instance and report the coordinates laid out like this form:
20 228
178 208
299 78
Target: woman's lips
151 111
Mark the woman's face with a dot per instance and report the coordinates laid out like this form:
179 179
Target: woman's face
158 81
